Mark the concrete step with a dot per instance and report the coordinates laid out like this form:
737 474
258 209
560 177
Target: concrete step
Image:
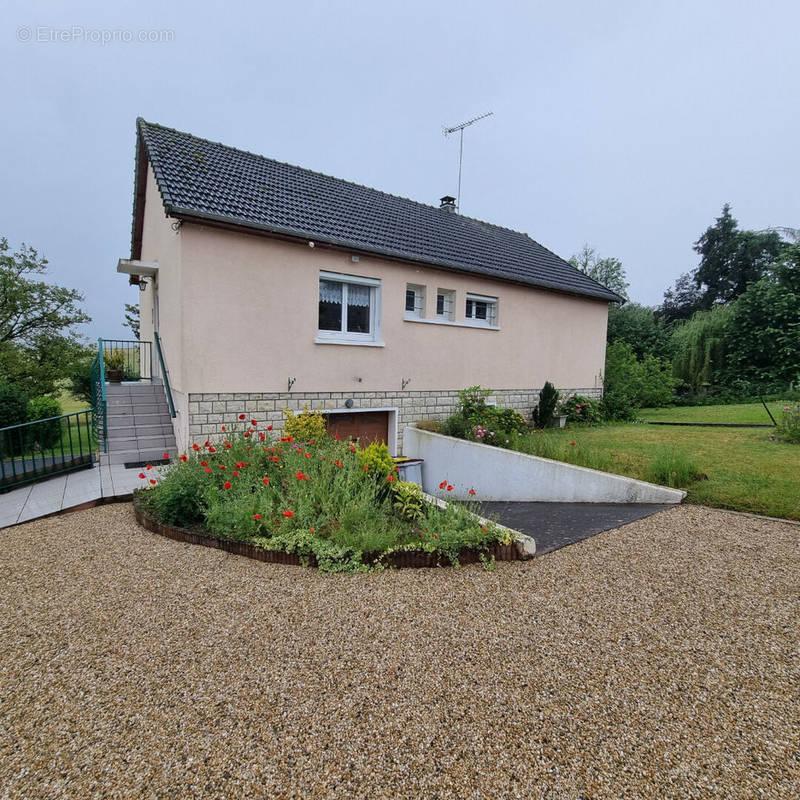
143 443
138 421
137 408
136 456
133 431
137 390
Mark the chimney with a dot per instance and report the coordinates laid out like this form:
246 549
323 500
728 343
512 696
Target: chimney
448 203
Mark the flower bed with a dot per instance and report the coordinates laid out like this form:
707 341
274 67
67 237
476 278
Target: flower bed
321 501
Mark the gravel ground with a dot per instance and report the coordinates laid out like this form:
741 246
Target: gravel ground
659 660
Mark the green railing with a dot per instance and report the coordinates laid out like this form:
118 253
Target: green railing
132 357
99 404
46 447
164 374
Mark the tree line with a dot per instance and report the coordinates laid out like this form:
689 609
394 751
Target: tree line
727 330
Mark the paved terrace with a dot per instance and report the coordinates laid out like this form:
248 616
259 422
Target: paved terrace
67 491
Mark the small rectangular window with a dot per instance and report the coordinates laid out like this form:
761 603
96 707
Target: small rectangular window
415 301
445 303
481 310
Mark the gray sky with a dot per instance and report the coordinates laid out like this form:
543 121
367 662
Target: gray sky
623 124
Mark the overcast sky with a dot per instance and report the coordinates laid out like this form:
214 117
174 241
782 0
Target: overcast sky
623 124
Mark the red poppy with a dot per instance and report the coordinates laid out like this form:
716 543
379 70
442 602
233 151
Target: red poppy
206 444
195 447
240 464
166 455
442 484
289 438
254 422
226 485
149 466
256 516
242 416
247 434
204 463
266 481
235 473
483 527
224 429
352 448
435 535
311 441
221 466
262 435
153 481
269 427
336 437
390 478
208 469
142 475
338 463
228 445
212 449
275 459
449 487
572 443
366 467
472 491
307 455
184 458
288 513
312 529
300 476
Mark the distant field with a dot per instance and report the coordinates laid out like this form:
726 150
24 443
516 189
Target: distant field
743 413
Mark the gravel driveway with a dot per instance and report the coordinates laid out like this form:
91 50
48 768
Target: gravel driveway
659 660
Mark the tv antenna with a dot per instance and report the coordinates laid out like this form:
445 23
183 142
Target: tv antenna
460 129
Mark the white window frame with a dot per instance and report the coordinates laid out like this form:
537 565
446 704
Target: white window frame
491 320
419 301
449 295
343 336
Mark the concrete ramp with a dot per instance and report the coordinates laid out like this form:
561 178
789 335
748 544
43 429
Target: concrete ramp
497 474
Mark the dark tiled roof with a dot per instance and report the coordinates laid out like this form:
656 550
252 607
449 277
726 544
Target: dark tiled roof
207 180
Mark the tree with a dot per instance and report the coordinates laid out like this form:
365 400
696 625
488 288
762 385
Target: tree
681 301
701 348
764 327
37 342
730 259
132 318
638 326
608 271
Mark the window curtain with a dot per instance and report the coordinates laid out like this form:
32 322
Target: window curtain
357 295
330 292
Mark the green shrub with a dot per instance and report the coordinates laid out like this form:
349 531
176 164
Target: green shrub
432 425
376 461
408 500
789 423
631 384
181 495
672 467
477 421
546 407
80 379
13 405
46 434
113 359
306 426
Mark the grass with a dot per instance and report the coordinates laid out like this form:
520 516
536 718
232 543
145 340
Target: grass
746 471
750 413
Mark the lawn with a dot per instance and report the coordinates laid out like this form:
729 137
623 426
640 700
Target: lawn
745 470
750 413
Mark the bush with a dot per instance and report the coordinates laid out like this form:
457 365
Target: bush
13 405
408 501
13 411
789 424
477 421
46 434
81 380
546 408
306 426
672 467
631 384
580 410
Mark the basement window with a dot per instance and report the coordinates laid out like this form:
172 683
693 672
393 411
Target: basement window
415 301
445 304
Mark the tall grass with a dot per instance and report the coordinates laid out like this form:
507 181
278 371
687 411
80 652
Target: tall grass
673 467
558 447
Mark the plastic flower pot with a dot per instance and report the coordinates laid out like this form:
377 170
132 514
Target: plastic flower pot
114 375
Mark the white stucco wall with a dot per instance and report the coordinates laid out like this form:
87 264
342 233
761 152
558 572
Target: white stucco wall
249 307
497 474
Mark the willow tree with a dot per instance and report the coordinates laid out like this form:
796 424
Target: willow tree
701 347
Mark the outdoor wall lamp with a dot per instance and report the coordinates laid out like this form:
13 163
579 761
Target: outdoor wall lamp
290 383
404 382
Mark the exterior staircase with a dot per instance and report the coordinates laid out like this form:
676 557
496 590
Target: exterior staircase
138 423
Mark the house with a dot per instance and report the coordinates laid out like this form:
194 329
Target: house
272 286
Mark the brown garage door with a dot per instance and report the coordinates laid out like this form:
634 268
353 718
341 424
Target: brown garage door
366 426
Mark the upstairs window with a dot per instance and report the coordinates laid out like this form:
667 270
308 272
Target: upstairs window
349 308
481 310
445 304
415 301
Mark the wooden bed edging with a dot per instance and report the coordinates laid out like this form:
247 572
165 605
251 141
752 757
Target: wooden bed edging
399 560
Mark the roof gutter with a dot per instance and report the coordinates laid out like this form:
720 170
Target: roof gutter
220 220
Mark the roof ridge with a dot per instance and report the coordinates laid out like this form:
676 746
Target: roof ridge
140 121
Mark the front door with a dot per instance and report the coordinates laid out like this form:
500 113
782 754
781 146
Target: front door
366 426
